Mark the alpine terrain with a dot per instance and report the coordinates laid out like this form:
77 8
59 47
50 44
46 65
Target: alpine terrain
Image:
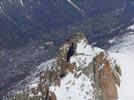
79 72
66 49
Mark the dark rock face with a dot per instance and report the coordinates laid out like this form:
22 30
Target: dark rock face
70 52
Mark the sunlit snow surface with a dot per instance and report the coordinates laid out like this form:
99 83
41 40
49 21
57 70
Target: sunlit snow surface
84 54
124 53
73 88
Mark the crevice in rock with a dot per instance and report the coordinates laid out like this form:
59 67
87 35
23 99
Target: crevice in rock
70 52
62 75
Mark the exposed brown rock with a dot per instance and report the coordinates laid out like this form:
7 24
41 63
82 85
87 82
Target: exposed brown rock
70 67
53 96
105 78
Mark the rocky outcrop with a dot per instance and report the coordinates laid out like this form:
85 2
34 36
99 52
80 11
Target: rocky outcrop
105 78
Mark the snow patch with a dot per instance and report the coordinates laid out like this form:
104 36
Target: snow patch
112 40
131 27
70 1
73 88
101 66
127 80
84 54
21 2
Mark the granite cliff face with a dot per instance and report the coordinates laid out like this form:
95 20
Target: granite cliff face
79 71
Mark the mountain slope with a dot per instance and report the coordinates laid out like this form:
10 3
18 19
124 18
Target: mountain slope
126 63
30 19
123 52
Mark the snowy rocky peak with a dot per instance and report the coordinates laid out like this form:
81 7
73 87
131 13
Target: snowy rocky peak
81 72
78 51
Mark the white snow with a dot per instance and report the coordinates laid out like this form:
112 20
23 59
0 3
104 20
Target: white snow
101 66
112 40
125 58
84 54
31 95
70 1
126 45
127 80
32 85
73 88
131 27
39 94
21 2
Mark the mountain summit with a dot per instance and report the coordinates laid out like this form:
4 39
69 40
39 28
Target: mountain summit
79 72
